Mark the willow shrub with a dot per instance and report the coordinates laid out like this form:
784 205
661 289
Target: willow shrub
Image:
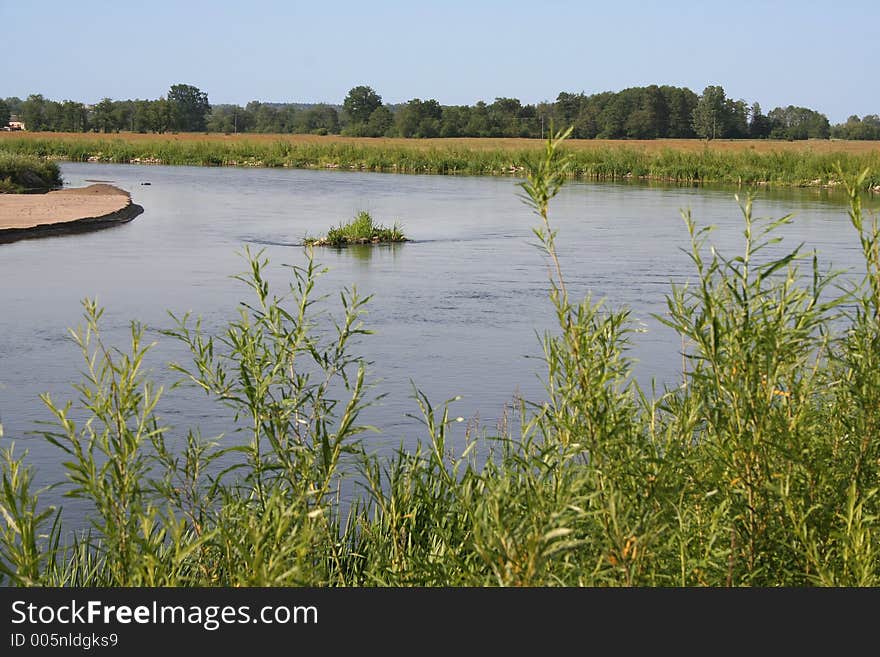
761 469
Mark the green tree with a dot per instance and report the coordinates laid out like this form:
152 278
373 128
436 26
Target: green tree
159 116
419 118
381 122
4 113
709 113
33 112
103 118
478 121
681 103
736 119
189 108
798 123
454 120
52 116
759 125
868 127
320 119
359 104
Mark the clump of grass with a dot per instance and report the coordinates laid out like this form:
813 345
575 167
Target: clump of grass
360 230
27 173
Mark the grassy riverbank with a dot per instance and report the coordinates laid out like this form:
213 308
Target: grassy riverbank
27 173
761 469
806 163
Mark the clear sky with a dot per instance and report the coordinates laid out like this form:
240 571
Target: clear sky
821 55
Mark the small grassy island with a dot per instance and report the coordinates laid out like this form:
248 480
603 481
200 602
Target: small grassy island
360 230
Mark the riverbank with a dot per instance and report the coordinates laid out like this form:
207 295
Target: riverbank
63 211
812 163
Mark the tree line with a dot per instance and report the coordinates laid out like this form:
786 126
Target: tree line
649 112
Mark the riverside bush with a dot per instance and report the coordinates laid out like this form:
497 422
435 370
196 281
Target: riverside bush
27 173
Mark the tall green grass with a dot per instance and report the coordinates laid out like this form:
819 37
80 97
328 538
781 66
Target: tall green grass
744 167
360 230
761 469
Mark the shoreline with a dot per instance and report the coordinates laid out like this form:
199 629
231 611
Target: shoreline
65 211
764 163
512 172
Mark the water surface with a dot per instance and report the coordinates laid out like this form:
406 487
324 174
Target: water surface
455 312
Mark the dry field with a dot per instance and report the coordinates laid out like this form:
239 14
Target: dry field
817 146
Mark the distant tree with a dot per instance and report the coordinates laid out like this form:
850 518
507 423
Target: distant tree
159 116
640 125
14 105
266 117
478 121
189 108
320 119
736 119
612 118
4 113
709 114
381 122
227 119
681 103
454 121
141 116
52 116
74 117
567 108
759 125
868 127
798 123
33 112
359 105
419 118
123 114
102 116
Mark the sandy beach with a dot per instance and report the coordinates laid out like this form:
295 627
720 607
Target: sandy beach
66 210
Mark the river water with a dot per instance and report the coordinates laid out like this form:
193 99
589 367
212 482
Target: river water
455 312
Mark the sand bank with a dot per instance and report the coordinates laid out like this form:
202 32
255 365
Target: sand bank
64 211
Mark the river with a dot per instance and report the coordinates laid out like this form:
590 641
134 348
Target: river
455 312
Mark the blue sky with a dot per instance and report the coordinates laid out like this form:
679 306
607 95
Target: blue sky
814 54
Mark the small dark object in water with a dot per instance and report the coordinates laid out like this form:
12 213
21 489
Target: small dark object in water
146 183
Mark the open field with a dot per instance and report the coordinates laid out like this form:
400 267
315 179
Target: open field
473 143
800 163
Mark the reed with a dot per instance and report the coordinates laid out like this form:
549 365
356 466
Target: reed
682 161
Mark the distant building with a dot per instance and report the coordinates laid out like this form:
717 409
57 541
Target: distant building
14 123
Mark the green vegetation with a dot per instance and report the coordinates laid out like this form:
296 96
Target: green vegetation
744 166
761 469
868 127
360 230
650 112
27 173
